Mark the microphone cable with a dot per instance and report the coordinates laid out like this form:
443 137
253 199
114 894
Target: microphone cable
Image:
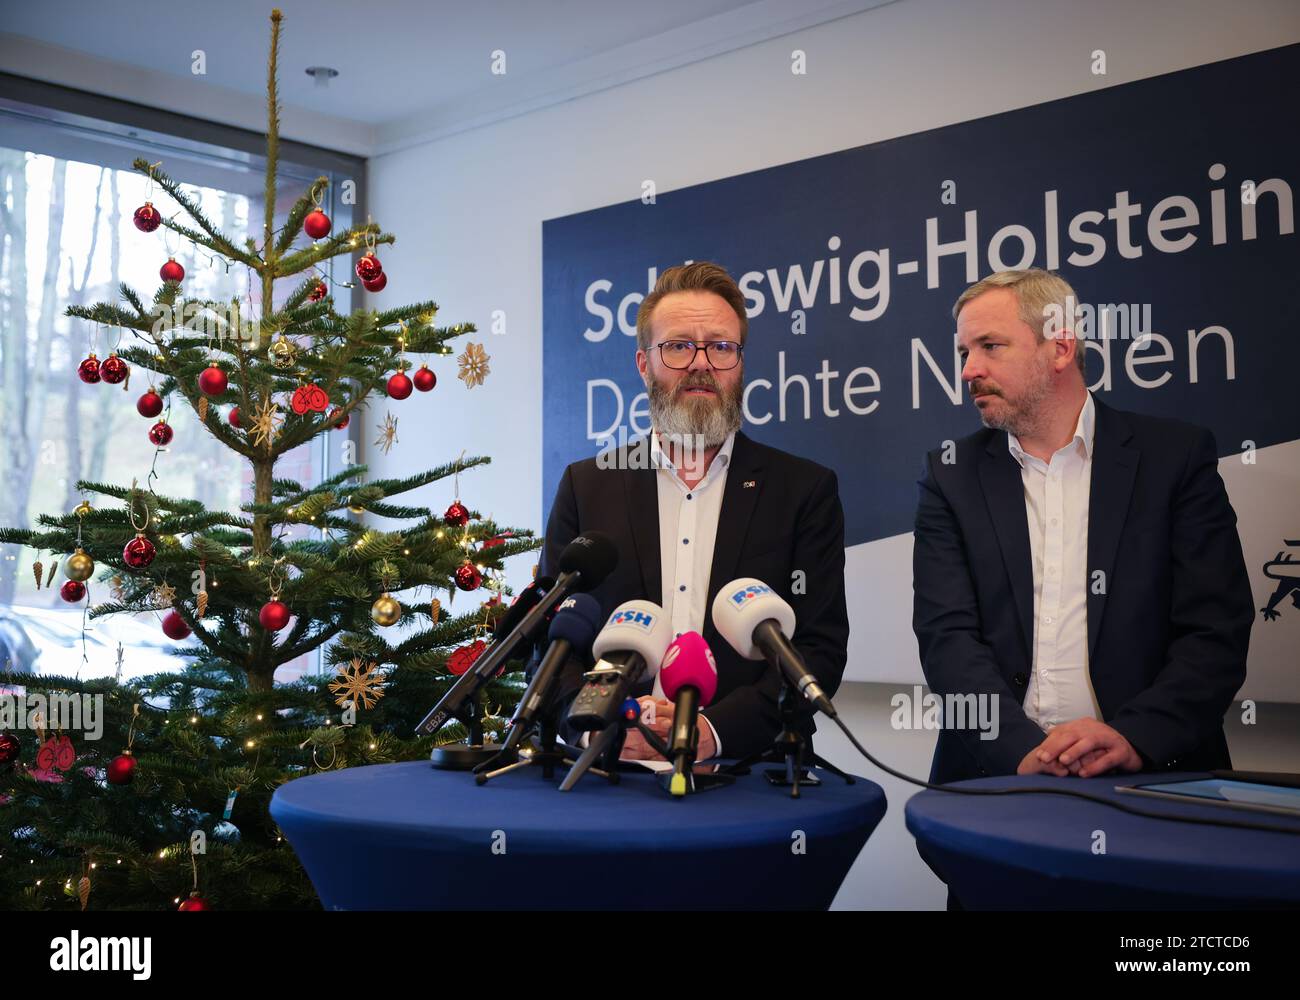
1071 793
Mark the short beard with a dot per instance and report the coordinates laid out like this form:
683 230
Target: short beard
695 423
1022 416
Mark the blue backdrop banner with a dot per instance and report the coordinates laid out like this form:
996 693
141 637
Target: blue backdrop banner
1167 203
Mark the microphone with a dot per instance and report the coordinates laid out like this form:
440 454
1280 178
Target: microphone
690 679
572 630
636 635
528 598
468 683
758 623
584 564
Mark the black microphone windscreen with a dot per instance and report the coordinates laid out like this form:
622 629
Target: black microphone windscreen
593 555
528 599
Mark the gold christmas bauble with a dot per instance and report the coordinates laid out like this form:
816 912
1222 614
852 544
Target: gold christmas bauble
386 611
79 566
283 353
83 508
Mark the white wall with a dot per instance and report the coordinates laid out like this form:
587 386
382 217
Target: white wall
468 209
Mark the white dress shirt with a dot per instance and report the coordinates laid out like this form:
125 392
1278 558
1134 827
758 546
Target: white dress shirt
1056 505
688 528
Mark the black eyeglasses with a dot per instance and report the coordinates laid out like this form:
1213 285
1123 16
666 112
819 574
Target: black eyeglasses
721 354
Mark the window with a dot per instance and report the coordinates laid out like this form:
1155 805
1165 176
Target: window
67 196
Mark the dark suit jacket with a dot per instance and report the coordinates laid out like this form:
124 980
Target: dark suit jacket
780 513
1167 637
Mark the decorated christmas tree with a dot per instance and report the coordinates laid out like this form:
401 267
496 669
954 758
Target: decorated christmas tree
169 805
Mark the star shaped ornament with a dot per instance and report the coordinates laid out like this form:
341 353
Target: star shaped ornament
266 423
473 365
358 684
164 595
387 433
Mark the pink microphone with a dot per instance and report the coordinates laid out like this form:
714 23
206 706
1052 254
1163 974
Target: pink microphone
690 679
688 662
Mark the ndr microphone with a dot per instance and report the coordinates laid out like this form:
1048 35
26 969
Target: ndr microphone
505 642
572 631
584 564
634 639
758 623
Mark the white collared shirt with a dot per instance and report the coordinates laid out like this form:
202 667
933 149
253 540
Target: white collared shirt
688 528
1056 506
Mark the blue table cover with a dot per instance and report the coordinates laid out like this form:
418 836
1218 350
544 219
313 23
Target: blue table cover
407 836
1037 851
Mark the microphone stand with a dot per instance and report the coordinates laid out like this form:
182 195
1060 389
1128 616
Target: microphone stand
546 750
606 745
694 782
467 755
789 749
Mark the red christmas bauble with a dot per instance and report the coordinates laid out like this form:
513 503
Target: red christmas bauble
233 416
425 379
369 268
319 292
347 418
399 386
174 627
317 224
121 769
150 404
88 370
113 370
213 381
467 576
147 218
376 284
171 271
456 515
463 658
274 615
10 748
72 591
138 552
193 904
161 433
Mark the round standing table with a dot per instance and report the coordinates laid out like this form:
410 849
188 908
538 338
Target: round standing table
406 836
1038 851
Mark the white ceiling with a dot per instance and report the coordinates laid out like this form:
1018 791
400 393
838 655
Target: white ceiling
409 70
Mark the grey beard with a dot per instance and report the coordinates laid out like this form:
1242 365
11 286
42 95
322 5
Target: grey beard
1024 416
701 426
1015 422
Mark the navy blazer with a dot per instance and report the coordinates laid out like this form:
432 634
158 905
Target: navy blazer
1169 615
780 514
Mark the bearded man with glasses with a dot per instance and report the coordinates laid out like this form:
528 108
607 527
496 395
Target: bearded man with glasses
710 506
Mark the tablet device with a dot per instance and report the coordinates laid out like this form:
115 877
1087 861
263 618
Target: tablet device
1276 799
